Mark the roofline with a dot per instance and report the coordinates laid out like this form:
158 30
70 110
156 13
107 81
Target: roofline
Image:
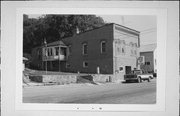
93 30
102 27
149 44
126 27
146 51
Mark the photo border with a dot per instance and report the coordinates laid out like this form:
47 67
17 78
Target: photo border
161 15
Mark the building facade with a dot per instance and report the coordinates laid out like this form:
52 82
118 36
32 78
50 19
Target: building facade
110 49
148 52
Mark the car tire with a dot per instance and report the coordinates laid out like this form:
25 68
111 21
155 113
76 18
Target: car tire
139 80
127 81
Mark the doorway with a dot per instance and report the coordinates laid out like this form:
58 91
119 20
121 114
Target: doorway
127 69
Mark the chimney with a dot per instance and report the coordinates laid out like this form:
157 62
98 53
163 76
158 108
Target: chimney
76 31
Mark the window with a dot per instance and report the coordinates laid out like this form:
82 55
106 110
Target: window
147 63
51 51
131 51
118 49
135 53
56 51
123 50
49 54
131 44
124 42
85 64
85 48
63 51
103 47
135 45
121 69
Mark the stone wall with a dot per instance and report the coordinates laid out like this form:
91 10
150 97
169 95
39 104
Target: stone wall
60 79
103 78
67 79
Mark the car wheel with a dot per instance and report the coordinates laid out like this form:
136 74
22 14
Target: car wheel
127 81
139 80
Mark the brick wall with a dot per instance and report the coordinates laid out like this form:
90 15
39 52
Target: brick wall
149 57
94 56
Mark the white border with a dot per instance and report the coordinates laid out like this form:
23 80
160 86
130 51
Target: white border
161 54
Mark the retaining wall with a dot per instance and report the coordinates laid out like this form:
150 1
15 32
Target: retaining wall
59 79
66 79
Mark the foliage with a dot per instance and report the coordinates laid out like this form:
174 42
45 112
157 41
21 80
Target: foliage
55 27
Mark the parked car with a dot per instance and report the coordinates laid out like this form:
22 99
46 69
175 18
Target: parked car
138 76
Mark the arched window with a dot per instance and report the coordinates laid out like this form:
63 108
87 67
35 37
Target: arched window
135 52
135 44
103 46
84 48
123 51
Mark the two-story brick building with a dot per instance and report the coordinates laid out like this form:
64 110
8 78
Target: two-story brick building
149 53
110 49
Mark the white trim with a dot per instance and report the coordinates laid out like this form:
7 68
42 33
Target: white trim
84 66
83 49
103 41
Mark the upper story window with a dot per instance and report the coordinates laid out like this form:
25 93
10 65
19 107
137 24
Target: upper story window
56 51
103 47
131 52
135 52
135 45
63 51
50 51
123 41
123 50
84 48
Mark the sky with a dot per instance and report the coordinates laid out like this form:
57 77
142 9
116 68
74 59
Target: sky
145 24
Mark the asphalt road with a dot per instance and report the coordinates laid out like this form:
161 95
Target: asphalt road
110 93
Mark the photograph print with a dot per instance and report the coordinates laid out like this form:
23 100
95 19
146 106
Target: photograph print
89 59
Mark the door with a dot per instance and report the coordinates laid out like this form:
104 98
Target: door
127 69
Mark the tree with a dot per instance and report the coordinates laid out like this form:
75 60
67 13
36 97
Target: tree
55 27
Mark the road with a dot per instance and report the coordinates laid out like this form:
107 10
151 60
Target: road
110 93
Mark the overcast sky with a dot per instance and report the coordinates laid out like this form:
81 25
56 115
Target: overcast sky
145 24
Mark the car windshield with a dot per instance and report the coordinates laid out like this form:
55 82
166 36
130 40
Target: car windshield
136 72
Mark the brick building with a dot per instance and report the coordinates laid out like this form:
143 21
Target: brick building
110 49
149 54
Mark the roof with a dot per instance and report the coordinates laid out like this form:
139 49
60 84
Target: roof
62 43
24 59
126 28
56 43
148 48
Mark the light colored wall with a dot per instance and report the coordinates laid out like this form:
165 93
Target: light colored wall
127 58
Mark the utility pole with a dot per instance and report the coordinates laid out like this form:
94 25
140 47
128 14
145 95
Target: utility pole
59 54
45 54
